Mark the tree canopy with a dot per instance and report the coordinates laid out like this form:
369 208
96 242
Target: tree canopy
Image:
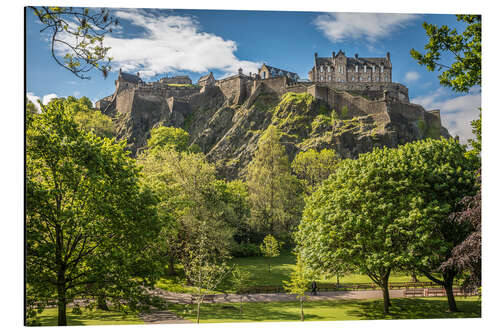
382 211
465 72
79 33
83 237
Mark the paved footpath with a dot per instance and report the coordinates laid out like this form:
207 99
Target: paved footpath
167 317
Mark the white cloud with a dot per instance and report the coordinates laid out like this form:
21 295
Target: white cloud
172 43
456 113
370 26
45 99
412 76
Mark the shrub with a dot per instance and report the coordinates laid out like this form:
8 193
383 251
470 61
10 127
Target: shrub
245 250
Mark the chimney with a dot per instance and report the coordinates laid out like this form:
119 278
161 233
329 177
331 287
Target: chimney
240 71
356 56
388 56
333 55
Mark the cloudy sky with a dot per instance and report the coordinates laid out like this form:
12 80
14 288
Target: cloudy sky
193 42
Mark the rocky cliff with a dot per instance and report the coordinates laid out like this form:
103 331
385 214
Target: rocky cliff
227 119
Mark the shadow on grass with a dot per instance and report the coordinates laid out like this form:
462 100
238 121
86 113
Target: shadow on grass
417 308
254 312
49 318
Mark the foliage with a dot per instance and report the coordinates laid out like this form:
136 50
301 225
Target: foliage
245 249
381 211
465 72
30 107
274 193
298 284
240 280
314 167
83 237
80 33
270 247
169 137
466 256
189 195
475 152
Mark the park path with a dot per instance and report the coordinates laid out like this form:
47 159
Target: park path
167 317
275 297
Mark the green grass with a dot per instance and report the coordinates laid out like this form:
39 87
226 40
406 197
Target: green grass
258 267
402 308
96 317
282 266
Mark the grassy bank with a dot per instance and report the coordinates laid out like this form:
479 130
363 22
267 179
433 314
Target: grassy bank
402 308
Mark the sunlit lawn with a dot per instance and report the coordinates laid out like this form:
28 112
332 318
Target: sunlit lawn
402 308
258 267
97 317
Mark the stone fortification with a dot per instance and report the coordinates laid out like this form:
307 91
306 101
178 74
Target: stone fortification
226 117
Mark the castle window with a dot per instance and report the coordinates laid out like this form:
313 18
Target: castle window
385 78
329 77
352 78
321 69
338 79
382 68
364 69
321 78
356 68
373 69
329 69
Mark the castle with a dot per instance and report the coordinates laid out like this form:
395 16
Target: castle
363 86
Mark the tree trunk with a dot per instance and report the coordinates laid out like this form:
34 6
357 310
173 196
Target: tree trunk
301 310
101 303
61 305
414 277
171 267
448 286
385 292
198 311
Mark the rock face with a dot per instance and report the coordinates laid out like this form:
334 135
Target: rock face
227 119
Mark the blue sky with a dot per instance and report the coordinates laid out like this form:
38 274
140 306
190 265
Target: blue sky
193 42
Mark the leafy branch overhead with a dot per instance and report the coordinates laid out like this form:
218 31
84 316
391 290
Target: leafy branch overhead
79 33
465 72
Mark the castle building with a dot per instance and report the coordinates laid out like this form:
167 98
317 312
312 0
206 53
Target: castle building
206 80
339 68
267 72
181 79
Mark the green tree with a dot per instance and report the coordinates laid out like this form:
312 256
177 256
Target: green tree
388 210
274 193
298 284
314 167
270 248
240 280
83 237
30 107
80 33
475 152
465 72
188 195
171 137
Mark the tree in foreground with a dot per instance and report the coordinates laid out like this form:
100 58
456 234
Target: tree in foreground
270 248
298 284
206 270
387 210
79 33
274 193
465 72
466 256
83 237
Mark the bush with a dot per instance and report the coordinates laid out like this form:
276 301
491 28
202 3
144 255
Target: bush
245 250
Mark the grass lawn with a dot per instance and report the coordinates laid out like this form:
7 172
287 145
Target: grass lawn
402 308
97 317
281 268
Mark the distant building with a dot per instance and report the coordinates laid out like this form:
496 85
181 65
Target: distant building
181 79
207 80
126 80
267 72
339 68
